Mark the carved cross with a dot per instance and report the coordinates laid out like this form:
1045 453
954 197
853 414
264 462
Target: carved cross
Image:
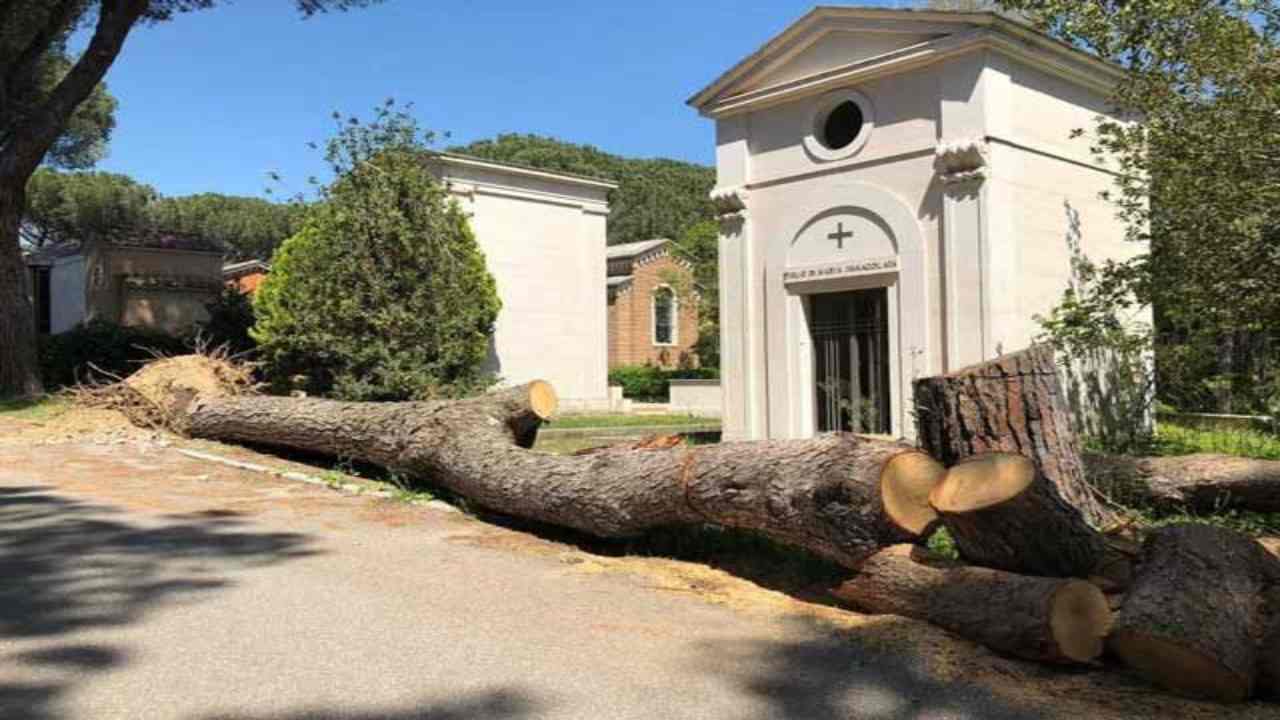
839 235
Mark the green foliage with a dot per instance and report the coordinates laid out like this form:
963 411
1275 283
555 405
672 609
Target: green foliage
650 383
655 198
65 358
699 246
384 293
247 227
1197 147
84 137
1174 439
943 545
230 320
72 206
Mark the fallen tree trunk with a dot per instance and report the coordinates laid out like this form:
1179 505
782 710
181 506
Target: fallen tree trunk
1044 619
1199 483
843 497
1013 404
1194 616
1269 649
1003 513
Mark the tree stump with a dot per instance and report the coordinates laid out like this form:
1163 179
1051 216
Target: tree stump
1192 621
1003 513
1013 404
1043 619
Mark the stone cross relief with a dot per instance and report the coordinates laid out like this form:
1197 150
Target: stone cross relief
840 235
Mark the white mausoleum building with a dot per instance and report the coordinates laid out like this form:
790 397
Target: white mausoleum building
900 192
543 236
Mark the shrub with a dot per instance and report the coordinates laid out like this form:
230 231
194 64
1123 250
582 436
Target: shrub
230 318
65 358
651 383
384 293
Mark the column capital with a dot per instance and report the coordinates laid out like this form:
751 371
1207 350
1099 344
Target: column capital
962 160
729 201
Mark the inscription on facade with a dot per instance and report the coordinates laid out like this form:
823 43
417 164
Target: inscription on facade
836 270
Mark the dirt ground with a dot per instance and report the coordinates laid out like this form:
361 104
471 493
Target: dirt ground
1099 693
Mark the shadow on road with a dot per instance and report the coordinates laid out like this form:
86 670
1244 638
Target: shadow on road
832 675
68 566
494 705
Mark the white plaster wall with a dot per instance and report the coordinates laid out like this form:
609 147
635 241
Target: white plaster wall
66 294
544 243
696 397
832 50
787 189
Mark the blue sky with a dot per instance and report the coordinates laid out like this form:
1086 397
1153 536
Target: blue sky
214 100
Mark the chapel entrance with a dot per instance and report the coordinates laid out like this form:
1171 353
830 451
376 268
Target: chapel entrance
850 332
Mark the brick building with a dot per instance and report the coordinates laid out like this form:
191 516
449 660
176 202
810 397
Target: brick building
246 275
649 320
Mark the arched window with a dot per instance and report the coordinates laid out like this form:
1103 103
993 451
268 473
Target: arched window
664 316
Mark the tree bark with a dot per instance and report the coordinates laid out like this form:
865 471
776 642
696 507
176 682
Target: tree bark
1269 649
1003 513
841 496
1193 619
1199 483
24 147
1013 404
19 369
1043 619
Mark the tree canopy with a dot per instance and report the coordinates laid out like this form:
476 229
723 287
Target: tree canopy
50 106
656 197
384 293
76 206
1197 143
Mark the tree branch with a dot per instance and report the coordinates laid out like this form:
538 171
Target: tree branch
24 64
35 135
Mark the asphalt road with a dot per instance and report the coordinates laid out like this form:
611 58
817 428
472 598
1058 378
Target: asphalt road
139 583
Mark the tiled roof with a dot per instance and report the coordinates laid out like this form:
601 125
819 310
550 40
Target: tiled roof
632 249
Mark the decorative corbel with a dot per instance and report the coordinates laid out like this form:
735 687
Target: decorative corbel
962 160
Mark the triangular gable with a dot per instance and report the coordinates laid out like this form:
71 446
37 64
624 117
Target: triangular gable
830 42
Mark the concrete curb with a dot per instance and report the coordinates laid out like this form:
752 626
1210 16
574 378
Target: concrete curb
344 488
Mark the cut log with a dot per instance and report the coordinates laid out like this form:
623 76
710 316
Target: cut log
1003 513
1198 483
841 496
1044 619
1013 404
1193 618
1269 650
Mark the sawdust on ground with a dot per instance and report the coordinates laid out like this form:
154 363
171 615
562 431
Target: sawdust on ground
1097 693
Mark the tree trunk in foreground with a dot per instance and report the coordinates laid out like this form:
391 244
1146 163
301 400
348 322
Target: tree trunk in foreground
1004 514
1043 619
1013 404
1198 483
1269 650
1194 617
843 497
19 371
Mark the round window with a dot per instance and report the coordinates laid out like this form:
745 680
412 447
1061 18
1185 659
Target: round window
841 125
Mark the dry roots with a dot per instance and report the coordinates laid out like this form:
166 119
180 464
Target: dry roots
146 397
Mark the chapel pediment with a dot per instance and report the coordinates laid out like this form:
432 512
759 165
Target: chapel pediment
831 46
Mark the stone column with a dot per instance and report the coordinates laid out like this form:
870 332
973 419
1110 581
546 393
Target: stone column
962 167
735 288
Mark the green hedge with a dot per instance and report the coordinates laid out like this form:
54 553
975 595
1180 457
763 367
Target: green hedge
650 383
65 357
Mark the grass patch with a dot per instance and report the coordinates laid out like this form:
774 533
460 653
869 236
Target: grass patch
39 410
574 422
1174 439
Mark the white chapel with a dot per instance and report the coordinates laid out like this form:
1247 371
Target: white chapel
899 195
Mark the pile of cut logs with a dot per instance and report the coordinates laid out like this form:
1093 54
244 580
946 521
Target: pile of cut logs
1046 573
